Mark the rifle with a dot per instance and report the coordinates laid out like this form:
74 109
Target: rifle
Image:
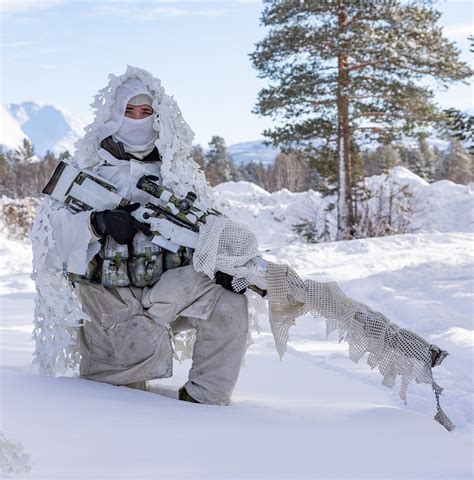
174 221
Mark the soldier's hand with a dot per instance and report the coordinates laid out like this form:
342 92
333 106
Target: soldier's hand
226 281
119 223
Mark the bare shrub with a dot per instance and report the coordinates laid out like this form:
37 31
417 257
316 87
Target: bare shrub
382 211
18 215
379 209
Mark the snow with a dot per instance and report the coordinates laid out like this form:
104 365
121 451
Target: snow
11 135
438 207
315 414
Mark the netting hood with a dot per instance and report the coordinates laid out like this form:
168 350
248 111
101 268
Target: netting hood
129 89
179 171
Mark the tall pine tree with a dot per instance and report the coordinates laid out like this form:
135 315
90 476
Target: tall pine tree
460 125
219 165
346 71
198 155
25 153
458 164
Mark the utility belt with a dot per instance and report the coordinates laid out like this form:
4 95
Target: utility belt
139 264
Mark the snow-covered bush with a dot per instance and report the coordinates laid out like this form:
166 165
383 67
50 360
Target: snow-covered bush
12 457
317 228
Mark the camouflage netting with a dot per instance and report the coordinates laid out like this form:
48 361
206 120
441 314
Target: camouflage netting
393 350
58 314
229 247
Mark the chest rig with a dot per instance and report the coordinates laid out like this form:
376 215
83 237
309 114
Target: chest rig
138 264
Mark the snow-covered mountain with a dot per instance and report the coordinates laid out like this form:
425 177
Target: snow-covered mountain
11 134
254 151
47 127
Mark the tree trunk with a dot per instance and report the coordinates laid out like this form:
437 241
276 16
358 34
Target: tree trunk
345 207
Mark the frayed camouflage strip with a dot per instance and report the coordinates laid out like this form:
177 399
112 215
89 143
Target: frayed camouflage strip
440 416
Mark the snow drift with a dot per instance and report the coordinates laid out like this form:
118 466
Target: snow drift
327 407
437 207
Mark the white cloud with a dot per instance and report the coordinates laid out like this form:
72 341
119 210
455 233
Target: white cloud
17 6
459 30
149 12
179 12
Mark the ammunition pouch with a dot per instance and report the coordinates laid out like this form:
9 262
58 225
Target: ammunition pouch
139 264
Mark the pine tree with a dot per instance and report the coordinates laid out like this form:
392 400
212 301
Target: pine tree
438 162
427 167
461 126
322 162
347 71
49 156
6 184
25 153
458 165
198 155
248 172
381 160
219 165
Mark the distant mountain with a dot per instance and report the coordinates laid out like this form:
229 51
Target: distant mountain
255 151
52 128
46 126
11 134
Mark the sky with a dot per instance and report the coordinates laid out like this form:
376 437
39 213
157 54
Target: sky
61 52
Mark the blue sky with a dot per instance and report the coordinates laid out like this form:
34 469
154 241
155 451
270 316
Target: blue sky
60 52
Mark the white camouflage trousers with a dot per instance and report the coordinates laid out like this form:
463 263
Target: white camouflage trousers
127 339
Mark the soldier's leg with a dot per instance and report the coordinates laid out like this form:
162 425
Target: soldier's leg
220 318
121 344
221 343
181 292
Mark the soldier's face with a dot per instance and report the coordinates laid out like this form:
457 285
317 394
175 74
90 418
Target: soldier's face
138 112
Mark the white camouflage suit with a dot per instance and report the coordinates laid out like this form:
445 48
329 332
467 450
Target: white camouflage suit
128 338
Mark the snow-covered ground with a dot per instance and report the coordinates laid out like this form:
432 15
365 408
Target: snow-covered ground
315 414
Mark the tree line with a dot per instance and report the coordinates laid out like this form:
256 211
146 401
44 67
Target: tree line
298 171
289 171
24 174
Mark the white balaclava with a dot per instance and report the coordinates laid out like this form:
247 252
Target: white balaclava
137 135
173 135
